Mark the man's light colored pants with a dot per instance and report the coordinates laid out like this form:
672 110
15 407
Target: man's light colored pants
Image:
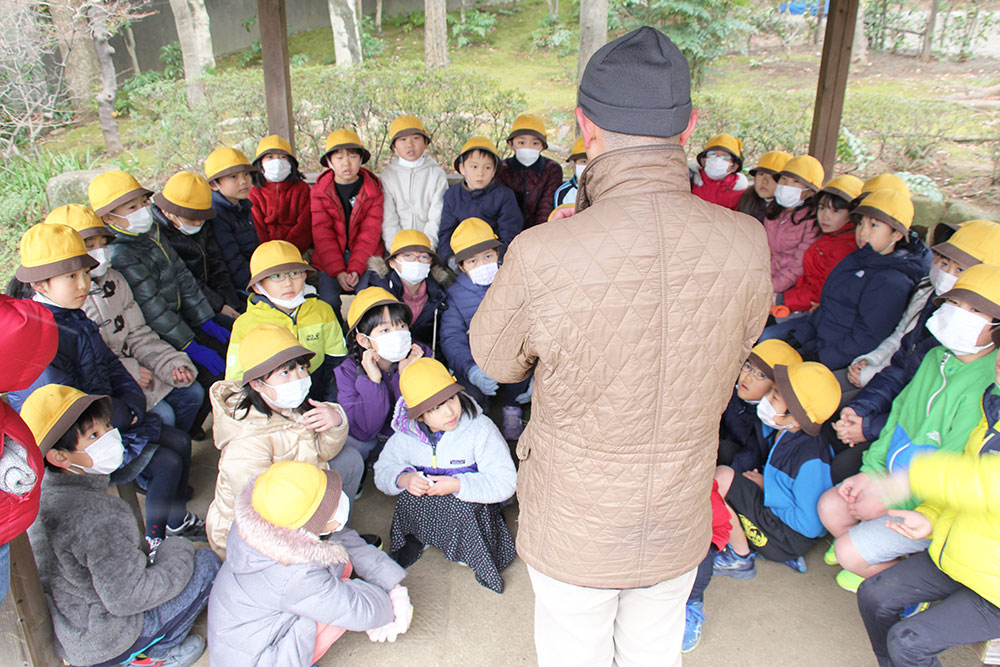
576 626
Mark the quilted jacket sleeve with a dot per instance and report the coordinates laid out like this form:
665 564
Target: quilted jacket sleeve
194 305
145 346
158 315
500 335
225 236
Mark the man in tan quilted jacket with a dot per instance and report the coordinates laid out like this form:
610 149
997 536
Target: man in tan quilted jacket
634 315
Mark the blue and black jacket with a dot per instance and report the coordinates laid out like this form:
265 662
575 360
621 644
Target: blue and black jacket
797 473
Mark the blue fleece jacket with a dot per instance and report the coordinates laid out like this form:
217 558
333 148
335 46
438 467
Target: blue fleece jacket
495 204
797 473
232 227
464 297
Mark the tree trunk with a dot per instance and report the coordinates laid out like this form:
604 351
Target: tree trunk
98 19
346 35
79 60
461 12
435 33
859 49
195 35
129 38
593 31
925 48
378 16
818 30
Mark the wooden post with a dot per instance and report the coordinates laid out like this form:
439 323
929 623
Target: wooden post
29 601
832 85
925 47
274 60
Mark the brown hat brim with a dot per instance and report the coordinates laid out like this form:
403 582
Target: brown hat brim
90 232
434 401
408 132
273 151
121 199
466 253
974 299
381 302
837 192
764 367
784 384
365 155
33 274
575 156
882 216
535 133
806 184
229 171
328 505
764 170
67 419
275 362
168 206
278 268
483 149
414 247
946 249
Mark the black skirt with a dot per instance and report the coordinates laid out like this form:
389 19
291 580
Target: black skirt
473 533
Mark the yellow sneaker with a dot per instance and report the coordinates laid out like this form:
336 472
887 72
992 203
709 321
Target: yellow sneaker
849 581
830 557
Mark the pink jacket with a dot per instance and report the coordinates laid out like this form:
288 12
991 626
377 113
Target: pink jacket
789 236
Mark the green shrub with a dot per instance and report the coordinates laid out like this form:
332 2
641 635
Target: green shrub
553 34
173 60
372 46
475 30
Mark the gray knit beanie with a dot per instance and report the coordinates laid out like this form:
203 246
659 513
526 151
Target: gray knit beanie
639 84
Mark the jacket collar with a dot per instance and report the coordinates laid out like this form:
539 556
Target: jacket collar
632 171
538 166
76 481
220 203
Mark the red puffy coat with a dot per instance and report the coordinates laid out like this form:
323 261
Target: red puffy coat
817 263
28 344
281 213
329 228
726 192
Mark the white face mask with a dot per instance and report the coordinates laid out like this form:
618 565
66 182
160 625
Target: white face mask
578 170
189 230
484 275
957 329
291 304
277 170
411 164
766 413
413 272
289 395
139 221
717 168
527 156
107 454
788 196
940 279
342 514
101 255
393 346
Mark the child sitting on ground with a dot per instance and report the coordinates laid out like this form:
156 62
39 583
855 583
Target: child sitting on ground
790 221
230 175
412 274
476 252
414 184
836 242
936 411
773 513
756 199
694 612
280 296
381 346
451 469
112 602
533 178
566 194
865 294
286 592
347 205
162 285
744 442
167 377
716 173
55 263
479 196
265 416
182 209
280 195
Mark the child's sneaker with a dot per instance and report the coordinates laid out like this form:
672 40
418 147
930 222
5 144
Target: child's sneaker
193 528
184 654
830 557
154 544
512 426
373 540
798 564
913 609
849 581
728 563
694 616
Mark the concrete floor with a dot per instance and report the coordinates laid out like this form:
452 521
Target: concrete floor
779 618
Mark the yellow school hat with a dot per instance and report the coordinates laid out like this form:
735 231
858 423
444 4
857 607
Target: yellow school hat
187 195
113 188
425 384
772 162
51 410
578 151
978 285
846 187
410 239
529 124
771 353
811 392
806 169
81 218
725 142
368 298
344 138
471 236
296 494
479 144
404 126
49 250
976 241
886 182
225 161
267 348
889 206
273 257
273 145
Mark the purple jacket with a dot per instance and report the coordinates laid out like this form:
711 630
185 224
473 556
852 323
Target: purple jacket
368 406
789 236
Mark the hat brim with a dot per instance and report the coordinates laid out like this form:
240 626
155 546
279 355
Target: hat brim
33 274
737 158
466 253
946 249
121 199
229 171
414 247
882 216
381 302
278 268
67 419
837 192
784 384
800 179
763 170
576 156
327 505
273 151
168 206
974 299
269 365
496 158
409 132
535 133
434 401
365 155
764 367
91 232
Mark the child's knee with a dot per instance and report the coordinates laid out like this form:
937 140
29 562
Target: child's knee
831 508
847 554
724 476
907 645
